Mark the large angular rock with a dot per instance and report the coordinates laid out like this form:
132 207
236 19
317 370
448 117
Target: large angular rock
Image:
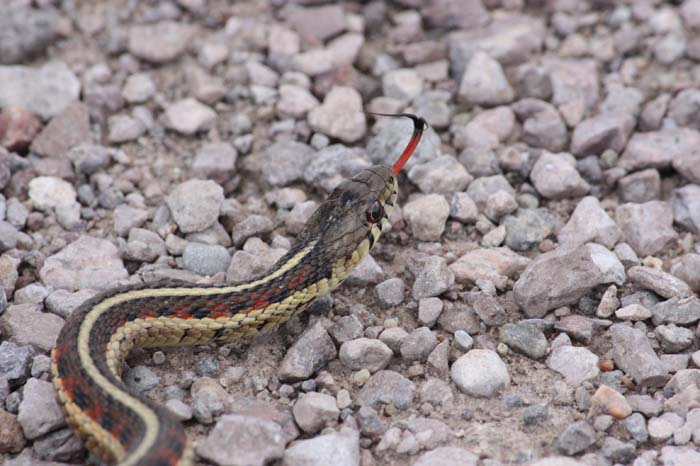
662 283
24 324
563 276
658 149
39 412
589 222
308 354
633 353
646 227
387 387
679 311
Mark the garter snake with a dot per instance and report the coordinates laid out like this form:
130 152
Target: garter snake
86 364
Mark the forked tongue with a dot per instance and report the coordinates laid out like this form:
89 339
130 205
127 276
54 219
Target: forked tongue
419 125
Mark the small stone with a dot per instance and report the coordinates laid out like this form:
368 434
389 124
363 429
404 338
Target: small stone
542 124
527 228
340 116
24 324
429 310
480 373
685 203
674 339
589 222
484 82
195 204
609 401
11 437
633 312
188 116
338 448
658 149
48 192
387 387
576 438
662 283
633 353
18 128
253 225
141 379
402 84
346 328
441 175
391 292
312 350
433 279
393 338
126 217
524 338
426 216
576 364
205 259
608 130
124 128
144 245
555 177
216 161
365 353
159 42
535 414
238 440
640 187
636 426
313 411
418 345
295 101
285 162
463 208
14 362
138 88
39 412
661 428
679 311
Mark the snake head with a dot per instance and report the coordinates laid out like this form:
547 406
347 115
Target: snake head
351 219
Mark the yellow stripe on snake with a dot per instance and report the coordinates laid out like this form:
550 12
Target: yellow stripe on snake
126 429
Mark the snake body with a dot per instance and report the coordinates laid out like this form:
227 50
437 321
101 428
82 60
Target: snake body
127 429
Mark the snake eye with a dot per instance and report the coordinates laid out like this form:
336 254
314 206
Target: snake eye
375 212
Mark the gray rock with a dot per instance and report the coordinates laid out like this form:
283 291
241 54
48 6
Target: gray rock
8 236
618 451
484 82
487 130
589 222
346 328
285 162
426 216
205 259
429 310
441 175
124 128
680 311
393 337
295 101
646 227
479 162
144 245
252 225
626 254
684 109
640 187
189 116
255 258
637 427
577 364
633 353
433 279
527 228
138 88
338 448
450 14
39 412
662 283
661 428
594 265
340 116
673 339
480 373
69 128
50 192
418 345
321 22
45 91
61 445
576 438
604 131
535 414
679 456
215 160
575 86
658 149
463 208
313 411
463 340
447 456
239 440
26 32
298 216
555 176
367 272
687 268
24 324
195 204
495 265
32 294
365 353
333 164
685 203
543 126
14 362
159 42
633 312
126 217
402 84
141 379
524 338
436 392
387 387
687 165
391 292
313 350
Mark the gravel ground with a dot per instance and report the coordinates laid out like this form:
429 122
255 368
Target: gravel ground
534 302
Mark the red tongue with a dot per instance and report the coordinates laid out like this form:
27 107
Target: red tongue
419 125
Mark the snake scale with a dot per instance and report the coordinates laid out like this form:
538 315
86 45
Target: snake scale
86 364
